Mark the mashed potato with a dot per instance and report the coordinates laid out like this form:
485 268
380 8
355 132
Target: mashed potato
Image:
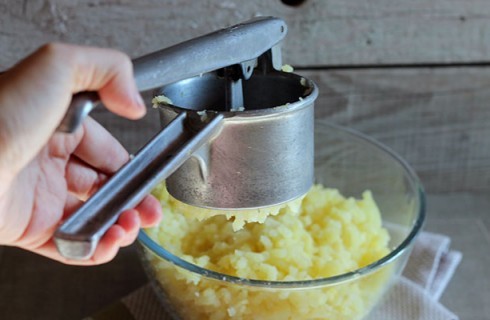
161 99
238 217
325 234
287 68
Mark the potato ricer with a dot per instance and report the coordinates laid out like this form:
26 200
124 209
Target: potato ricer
237 132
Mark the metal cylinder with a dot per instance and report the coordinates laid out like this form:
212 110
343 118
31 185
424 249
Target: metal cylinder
262 156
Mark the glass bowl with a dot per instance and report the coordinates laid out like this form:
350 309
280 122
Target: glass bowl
350 162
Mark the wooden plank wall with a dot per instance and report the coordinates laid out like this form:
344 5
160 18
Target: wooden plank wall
412 74
322 32
437 119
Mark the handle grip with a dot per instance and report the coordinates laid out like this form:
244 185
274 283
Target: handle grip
77 237
81 105
234 45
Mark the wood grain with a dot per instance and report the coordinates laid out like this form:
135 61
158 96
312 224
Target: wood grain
436 119
322 32
33 287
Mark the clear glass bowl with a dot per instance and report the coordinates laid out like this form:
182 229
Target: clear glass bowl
350 162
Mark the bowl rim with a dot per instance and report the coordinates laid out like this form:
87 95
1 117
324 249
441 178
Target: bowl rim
403 247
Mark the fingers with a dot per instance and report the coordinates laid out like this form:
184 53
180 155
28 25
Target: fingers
106 251
100 149
56 71
130 222
82 180
123 233
43 84
97 156
147 214
109 245
71 205
150 211
109 72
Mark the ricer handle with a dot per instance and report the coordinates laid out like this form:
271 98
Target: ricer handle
227 47
78 236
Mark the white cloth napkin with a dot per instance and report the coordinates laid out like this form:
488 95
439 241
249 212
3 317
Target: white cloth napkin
414 296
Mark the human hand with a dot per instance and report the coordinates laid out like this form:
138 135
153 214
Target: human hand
46 175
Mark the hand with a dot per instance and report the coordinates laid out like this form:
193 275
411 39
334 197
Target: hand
45 175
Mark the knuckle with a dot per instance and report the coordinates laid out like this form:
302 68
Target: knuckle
123 60
55 52
126 63
52 49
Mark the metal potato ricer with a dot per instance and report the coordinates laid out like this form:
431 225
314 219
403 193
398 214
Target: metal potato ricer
237 134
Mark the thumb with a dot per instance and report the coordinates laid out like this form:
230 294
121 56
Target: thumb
35 93
109 72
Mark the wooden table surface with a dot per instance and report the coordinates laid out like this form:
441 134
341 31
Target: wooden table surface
414 75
